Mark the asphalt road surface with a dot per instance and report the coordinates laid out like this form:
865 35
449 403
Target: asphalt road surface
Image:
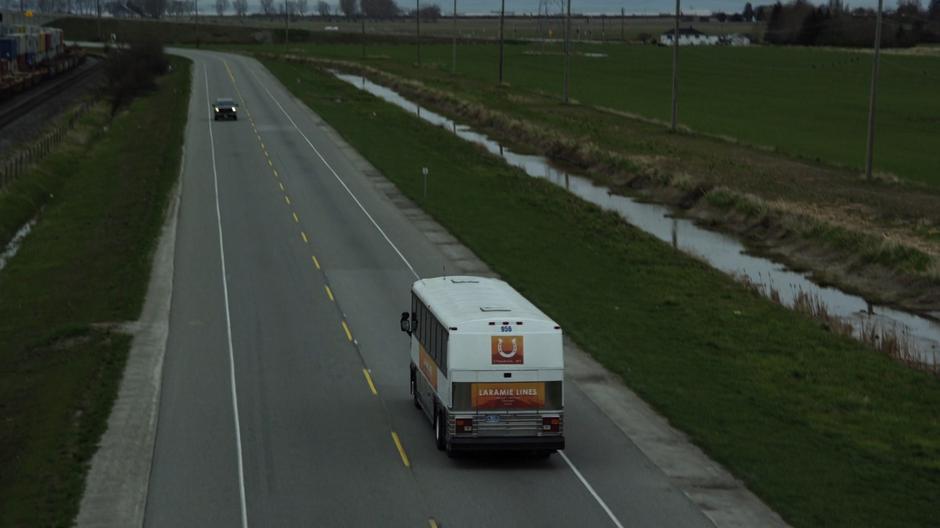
290 272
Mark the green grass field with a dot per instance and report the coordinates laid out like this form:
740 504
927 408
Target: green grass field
810 103
84 267
828 432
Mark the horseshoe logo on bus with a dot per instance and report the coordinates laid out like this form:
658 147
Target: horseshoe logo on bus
507 350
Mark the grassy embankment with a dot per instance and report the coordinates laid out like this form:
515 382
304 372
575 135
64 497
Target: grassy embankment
877 238
84 268
828 432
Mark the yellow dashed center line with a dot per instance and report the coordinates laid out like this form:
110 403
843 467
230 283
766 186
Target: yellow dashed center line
432 523
275 175
287 200
262 146
401 450
369 381
297 220
329 292
315 261
279 184
229 70
304 236
346 329
269 160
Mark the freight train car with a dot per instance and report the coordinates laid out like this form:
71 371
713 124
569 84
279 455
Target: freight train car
30 54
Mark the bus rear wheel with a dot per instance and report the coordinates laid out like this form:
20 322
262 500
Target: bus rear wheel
440 432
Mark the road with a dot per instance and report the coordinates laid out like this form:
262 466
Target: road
291 269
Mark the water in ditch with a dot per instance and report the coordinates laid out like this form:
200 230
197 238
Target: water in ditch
10 251
721 251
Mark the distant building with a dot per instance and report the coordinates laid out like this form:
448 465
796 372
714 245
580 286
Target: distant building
735 39
689 37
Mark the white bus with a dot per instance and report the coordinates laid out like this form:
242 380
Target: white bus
487 366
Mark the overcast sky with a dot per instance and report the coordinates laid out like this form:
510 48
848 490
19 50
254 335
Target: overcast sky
607 6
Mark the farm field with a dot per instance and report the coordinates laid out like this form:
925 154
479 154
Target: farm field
593 28
809 103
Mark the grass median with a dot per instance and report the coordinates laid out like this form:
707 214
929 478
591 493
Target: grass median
83 269
826 431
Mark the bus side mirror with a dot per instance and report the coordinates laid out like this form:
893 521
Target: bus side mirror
405 323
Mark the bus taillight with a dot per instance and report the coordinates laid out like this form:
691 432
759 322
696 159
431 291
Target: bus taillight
551 424
464 425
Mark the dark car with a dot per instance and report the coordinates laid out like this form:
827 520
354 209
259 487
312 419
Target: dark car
225 109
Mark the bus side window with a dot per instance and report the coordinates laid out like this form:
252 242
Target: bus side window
444 358
421 323
425 327
435 338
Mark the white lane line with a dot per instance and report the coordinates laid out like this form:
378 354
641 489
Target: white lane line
228 320
577 473
613 518
340 180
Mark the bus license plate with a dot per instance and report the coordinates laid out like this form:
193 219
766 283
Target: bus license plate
492 418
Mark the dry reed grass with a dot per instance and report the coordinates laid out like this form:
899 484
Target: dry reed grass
888 339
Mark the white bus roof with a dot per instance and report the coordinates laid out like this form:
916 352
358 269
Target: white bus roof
457 300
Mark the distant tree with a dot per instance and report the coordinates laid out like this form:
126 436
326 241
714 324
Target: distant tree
221 6
380 8
154 8
813 26
748 12
787 23
300 7
431 13
175 8
774 24
762 13
934 10
241 7
721 16
910 8
349 7
323 8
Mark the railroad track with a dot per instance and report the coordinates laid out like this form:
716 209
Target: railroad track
23 104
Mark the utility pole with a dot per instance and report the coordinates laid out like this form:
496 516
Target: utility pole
502 15
675 70
363 20
196 11
567 48
418 28
97 20
870 150
286 24
454 60
622 14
